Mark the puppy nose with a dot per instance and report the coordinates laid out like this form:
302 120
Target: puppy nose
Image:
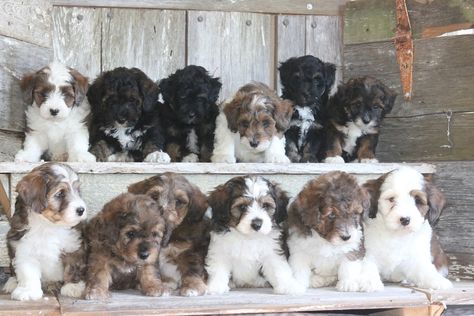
80 211
54 112
405 221
191 115
256 224
253 143
121 120
366 118
345 237
144 254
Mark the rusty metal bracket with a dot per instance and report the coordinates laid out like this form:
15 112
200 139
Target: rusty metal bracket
404 47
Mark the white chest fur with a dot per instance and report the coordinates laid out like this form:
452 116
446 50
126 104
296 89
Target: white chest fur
304 122
128 139
352 131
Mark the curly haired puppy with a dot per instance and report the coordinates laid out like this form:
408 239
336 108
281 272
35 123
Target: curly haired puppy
251 126
45 238
189 113
326 241
399 237
124 240
354 116
246 244
125 117
307 82
187 231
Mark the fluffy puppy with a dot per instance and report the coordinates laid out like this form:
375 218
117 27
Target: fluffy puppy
325 235
354 115
307 82
189 113
187 231
56 115
246 244
125 117
124 240
251 126
45 239
399 237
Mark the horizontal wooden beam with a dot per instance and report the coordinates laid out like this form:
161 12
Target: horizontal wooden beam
310 7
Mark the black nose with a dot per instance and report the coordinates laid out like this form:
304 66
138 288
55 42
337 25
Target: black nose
54 112
256 224
366 118
253 143
405 221
80 211
143 254
191 115
345 237
121 120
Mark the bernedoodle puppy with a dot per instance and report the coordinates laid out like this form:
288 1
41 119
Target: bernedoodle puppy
189 113
307 82
354 116
187 231
56 116
246 247
125 117
399 237
251 126
326 238
45 242
124 240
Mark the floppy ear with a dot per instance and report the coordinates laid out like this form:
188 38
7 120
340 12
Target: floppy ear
389 99
281 201
295 217
32 190
372 187
27 83
143 186
80 85
232 112
285 70
166 90
330 75
219 201
436 202
366 203
197 206
95 93
148 89
215 89
282 114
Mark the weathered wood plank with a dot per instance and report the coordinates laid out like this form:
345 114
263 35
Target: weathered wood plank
77 39
16 59
152 40
319 7
461 294
4 258
27 20
10 143
47 306
244 51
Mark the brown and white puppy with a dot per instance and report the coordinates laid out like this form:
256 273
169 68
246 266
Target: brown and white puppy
124 240
399 237
56 115
45 239
251 126
187 231
325 235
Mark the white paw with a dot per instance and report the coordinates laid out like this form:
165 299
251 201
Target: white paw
26 294
369 160
223 158
120 157
335 159
158 156
277 159
73 289
24 156
190 293
322 281
191 158
371 285
349 285
291 288
438 283
10 285
217 287
82 157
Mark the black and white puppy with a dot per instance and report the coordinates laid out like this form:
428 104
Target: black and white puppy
189 113
307 81
125 117
354 116
246 244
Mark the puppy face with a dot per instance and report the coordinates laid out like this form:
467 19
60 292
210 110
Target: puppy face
307 80
52 190
121 96
251 205
257 114
405 199
54 89
332 206
190 93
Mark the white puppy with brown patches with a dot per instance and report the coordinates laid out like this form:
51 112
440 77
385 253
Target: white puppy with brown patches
399 237
246 245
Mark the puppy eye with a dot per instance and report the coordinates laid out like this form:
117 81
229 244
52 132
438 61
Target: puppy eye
131 234
60 194
243 207
419 201
391 199
179 203
244 124
266 123
267 206
155 235
331 216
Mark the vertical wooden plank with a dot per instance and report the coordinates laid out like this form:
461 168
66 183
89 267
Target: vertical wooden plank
152 40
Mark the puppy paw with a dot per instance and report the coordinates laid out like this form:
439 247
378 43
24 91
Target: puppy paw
81 157
158 156
349 285
120 157
369 160
223 158
24 156
154 290
73 289
335 159
27 294
371 285
10 285
194 286
277 159
437 283
190 158
96 294
291 288
217 288
322 281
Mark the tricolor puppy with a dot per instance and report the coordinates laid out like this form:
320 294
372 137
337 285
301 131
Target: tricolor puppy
354 116
124 240
251 126
325 235
399 237
45 241
56 115
187 231
246 247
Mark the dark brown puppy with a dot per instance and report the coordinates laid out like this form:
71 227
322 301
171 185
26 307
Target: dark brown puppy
187 231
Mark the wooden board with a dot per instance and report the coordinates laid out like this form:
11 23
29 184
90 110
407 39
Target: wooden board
47 306
152 40
243 49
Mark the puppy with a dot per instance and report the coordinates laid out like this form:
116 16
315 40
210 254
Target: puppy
189 113
399 237
246 238
125 119
307 82
187 234
325 235
124 240
45 239
354 116
251 126
56 115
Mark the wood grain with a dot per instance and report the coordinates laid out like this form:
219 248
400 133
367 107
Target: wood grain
47 306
